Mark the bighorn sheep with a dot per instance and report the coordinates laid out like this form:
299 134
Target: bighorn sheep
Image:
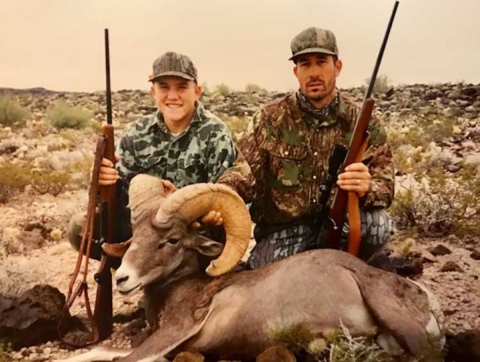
228 315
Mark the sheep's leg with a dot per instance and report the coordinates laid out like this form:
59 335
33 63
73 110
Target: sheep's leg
166 339
98 354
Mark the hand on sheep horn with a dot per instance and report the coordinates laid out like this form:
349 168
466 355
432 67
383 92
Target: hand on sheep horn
212 218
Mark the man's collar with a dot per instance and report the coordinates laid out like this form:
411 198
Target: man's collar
318 117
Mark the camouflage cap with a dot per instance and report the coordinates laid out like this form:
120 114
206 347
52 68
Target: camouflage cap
314 40
176 64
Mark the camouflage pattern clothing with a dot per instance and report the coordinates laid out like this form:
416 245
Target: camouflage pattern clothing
288 149
376 229
287 146
201 153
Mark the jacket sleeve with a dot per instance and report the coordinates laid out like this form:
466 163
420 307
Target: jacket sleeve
127 166
221 157
247 175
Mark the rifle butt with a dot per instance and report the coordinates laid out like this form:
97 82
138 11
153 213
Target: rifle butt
103 312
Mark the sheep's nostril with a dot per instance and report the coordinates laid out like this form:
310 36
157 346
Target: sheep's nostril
122 280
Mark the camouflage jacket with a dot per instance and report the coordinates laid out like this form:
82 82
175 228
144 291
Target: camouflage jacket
288 154
201 153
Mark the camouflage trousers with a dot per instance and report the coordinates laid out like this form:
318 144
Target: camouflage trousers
376 228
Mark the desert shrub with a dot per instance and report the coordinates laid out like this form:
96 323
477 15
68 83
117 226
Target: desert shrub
205 88
11 113
237 125
68 135
61 115
82 169
382 84
345 348
337 346
96 126
40 129
253 88
223 89
13 180
412 135
4 349
437 128
438 205
49 182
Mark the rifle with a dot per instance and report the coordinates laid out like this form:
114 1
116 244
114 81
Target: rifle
353 154
102 318
103 314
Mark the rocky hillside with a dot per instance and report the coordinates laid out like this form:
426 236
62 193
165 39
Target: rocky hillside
434 131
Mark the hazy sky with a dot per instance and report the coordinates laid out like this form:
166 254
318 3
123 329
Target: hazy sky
59 44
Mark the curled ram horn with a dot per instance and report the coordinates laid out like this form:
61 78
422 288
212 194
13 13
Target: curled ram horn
198 200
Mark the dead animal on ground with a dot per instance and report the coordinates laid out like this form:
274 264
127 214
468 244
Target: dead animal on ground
196 303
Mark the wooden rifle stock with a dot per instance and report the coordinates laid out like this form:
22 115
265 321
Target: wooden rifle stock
103 312
355 152
360 136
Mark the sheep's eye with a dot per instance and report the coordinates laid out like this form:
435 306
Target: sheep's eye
173 241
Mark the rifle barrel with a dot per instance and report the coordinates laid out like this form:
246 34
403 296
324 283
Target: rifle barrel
107 69
380 54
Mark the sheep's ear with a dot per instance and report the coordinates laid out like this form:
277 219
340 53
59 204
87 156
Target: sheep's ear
207 246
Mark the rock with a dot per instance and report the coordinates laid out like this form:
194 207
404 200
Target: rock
473 159
32 318
427 257
278 353
475 255
457 130
407 267
189 357
470 92
439 250
451 266
464 346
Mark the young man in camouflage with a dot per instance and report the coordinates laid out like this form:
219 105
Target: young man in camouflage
182 143
287 147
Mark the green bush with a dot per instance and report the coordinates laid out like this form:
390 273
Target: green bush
5 348
61 115
253 88
236 125
439 205
205 88
11 113
49 182
223 89
382 84
337 346
13 180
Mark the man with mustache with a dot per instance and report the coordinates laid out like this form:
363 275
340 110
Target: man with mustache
287 147
181 142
